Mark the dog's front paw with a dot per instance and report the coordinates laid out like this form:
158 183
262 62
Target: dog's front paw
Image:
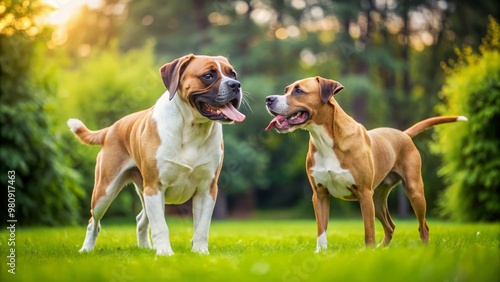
200 246
320 249
145 244
200 250
164 251
321 243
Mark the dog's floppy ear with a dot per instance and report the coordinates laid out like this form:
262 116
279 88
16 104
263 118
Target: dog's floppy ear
328 88
171 73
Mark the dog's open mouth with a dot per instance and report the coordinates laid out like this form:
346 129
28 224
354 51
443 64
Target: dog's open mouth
282 123
228 112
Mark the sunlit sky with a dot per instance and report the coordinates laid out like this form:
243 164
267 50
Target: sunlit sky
65 9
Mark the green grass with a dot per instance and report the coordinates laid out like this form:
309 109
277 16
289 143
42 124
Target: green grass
259 250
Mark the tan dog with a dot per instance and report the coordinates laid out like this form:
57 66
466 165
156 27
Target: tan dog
172 152
349 162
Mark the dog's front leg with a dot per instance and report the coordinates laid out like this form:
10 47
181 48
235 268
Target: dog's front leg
203 206
321 204
365 197
154 201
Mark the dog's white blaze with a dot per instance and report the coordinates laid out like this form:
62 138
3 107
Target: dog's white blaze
321 243
326 169
225 78
220 69
190 152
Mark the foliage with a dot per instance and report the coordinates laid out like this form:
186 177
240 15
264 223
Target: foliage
102 88
110 84
386 53
373 48
252 161
46 190
260 251
472 151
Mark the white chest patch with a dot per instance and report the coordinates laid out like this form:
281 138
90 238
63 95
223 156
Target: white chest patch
326 169
189 155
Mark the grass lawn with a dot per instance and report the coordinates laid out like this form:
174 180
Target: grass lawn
259 250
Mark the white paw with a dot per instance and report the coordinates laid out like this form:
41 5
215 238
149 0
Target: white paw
146 245
320 249
164 252
321 243
200 250
85 250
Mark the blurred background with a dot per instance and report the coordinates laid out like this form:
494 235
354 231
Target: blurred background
400 62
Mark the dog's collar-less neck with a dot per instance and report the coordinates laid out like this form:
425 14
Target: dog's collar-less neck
186 112
338 127
182 122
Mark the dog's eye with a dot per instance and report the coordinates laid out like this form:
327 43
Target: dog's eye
298 91
232 74
209 77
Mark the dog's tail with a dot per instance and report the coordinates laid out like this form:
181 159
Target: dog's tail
85 135
430 122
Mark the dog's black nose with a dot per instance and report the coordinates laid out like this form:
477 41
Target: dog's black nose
270 99
234 84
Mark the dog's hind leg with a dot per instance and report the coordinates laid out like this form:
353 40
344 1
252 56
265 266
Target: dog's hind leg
382 212
143 239
109 181
142 229
414 189
93 229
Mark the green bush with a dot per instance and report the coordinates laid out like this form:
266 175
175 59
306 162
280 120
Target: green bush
46 190
472 151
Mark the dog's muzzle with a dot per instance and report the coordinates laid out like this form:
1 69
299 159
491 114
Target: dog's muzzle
222 105
284 120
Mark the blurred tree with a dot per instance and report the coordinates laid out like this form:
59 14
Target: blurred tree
46 188
386 53
472 151
178 27
93 28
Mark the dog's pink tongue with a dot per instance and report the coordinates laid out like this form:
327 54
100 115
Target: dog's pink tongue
232 113
277 119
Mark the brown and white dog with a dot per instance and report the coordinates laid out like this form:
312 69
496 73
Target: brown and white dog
172 152
349 162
